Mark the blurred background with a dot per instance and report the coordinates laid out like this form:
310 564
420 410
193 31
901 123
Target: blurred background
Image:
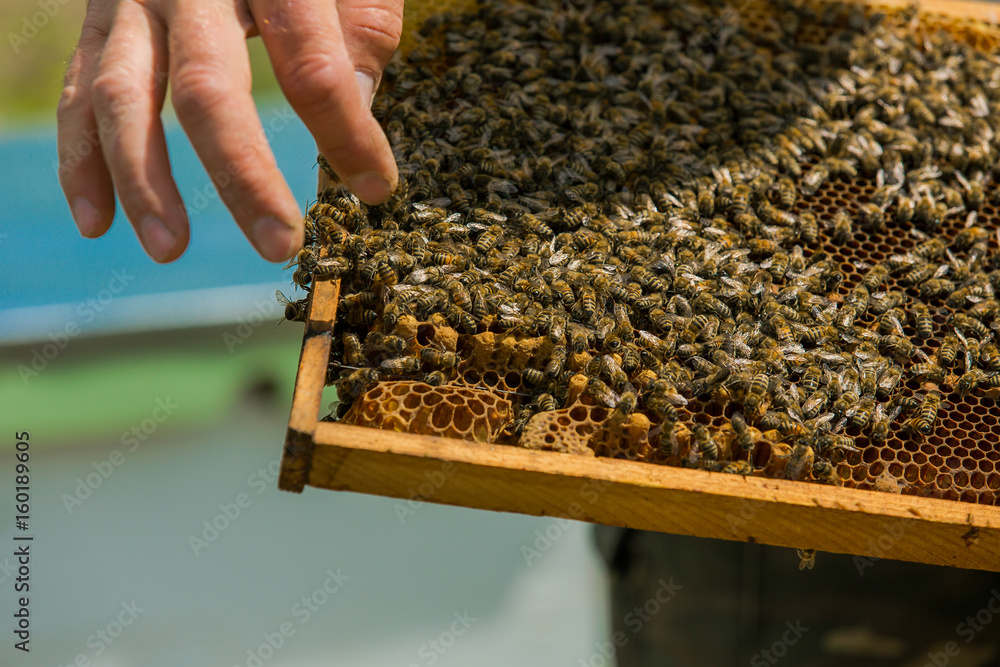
156 399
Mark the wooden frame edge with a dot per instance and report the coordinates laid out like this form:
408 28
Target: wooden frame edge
310 379
614 492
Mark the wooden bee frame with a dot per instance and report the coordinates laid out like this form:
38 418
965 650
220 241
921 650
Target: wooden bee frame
868 524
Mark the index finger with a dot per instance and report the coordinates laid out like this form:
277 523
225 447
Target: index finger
306 46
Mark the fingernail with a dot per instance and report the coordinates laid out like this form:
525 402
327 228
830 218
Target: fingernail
370 187
85 216
275 240
157 238
366 83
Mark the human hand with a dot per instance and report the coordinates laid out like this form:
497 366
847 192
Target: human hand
328 56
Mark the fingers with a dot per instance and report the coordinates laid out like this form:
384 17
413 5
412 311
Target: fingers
128 92
82 173
210 74
371 29
317 72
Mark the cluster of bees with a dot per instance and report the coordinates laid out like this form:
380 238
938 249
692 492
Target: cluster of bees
631 180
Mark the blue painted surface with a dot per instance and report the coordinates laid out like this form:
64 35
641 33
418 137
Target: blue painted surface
45 262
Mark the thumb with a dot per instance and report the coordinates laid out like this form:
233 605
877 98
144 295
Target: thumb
371 29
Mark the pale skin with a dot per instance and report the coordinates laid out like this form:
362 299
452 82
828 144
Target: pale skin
328 56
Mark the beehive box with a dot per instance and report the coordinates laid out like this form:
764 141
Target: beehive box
956 527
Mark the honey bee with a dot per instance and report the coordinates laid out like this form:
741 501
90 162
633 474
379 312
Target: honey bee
668 438
814 179
926 414
800 461
923 320
626 405
703 444
601 393
824 472
807 558
828 442
744 439
989 355
808 228
969 324
756 392
881 421
970 380
438 358
842 226
294 311
436 378
861 414
948 351
401 365
353 351
546 403
377 342
535 377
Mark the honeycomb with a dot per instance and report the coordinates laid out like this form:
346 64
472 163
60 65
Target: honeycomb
489 393
447 411
959 459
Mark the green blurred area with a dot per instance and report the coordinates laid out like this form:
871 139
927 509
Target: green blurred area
40 36
97 389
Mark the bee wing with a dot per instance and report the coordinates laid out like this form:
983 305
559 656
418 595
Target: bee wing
281 298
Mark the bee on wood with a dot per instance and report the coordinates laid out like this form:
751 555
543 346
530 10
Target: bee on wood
294 311
807 558
824 472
